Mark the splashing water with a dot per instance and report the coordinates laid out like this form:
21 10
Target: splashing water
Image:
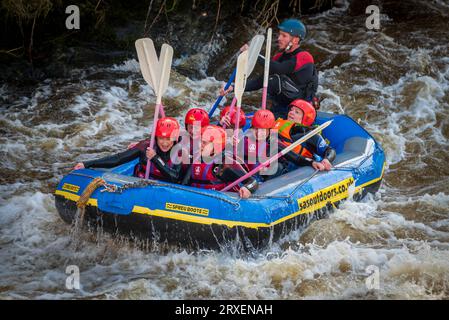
394 81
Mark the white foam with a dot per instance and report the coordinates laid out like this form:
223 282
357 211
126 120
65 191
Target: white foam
131 65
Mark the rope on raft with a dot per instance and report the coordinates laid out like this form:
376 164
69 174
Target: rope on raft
84 198
98 182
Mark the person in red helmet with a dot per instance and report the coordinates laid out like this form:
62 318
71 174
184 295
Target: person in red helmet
196 115
301 112
229 119
193 115
257 147
213 172
162 166
300 119
256 140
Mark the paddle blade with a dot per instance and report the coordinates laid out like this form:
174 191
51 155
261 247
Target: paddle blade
143 62
153 62
254 49
165 67
267 58
240 78
165 47
165 50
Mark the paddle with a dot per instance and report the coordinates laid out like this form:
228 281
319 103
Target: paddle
149 63
156 73
240 83
267 69
217 102
278 155
253 53
254 49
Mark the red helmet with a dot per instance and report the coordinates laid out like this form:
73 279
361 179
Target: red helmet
197 114
215 134
167 128
309 112
263 119
242 119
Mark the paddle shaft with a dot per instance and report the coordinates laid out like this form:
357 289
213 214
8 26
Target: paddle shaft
217 102
278 155
236 131
153 138
266 69
264 97
234 101
240 82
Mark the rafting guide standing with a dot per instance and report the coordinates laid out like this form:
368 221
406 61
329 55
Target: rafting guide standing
293 74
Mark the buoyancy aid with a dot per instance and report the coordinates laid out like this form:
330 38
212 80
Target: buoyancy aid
302 58
255 151
207 175
202 176
284 127
293 85
155 173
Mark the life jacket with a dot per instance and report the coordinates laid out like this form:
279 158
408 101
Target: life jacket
141 167
284 128
254 151
307 90
202 176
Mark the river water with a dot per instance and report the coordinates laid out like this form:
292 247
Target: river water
395 82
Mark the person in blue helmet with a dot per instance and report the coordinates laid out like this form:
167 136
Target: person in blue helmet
293 74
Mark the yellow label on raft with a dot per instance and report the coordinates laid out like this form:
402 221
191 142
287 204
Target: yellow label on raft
320 198
70 187
188 209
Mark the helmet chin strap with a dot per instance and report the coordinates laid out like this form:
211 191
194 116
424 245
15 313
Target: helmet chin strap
290 44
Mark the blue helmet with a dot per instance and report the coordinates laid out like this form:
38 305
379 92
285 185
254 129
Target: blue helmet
294 27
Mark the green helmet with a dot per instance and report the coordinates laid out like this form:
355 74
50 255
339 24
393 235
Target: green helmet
294 27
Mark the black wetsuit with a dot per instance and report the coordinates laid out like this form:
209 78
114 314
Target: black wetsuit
170 173
316 144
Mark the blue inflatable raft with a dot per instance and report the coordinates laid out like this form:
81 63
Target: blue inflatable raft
193 217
